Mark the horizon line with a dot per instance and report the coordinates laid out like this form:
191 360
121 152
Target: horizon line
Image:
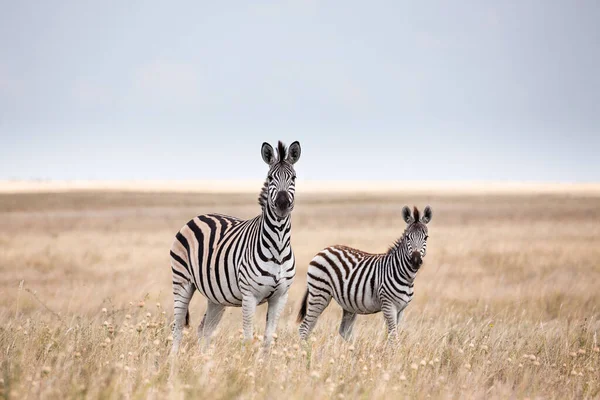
304 186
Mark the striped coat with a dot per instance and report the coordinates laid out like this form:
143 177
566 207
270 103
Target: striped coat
364 283
239 263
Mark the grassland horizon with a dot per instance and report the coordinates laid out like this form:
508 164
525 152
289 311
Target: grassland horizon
307 186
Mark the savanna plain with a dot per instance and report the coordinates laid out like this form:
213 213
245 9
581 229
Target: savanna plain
506 304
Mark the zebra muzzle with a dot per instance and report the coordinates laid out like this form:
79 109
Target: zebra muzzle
282 201
416 259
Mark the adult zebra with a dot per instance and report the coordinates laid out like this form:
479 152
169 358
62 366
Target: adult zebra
364 283
235 262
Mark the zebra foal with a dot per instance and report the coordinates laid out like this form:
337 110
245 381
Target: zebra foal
239 263
364 283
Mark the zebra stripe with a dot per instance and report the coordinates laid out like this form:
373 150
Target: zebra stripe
364 283
239 263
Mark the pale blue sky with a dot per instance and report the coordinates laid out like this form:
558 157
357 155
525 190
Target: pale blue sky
434 90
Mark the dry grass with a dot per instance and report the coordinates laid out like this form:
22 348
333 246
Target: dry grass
506 305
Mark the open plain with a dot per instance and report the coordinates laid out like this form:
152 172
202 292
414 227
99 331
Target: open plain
506 305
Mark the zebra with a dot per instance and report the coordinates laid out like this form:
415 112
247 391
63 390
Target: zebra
234 262
364 283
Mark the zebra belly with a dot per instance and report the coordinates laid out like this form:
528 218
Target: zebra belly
219 282
223 292
372 306
363 302
229 292
364 306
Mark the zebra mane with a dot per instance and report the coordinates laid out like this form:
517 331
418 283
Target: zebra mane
281 151
396 245
264 192
416 215
262 197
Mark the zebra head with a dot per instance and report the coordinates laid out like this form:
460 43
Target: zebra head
279 188
416 233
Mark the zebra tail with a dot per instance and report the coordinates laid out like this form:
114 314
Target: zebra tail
187 319
303 307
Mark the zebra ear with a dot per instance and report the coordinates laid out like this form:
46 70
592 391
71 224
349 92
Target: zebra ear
407 216
268 154
293 154
427 214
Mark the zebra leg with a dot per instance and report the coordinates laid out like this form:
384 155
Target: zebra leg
316 304
347 324
248 310
182 294
274 311
399 317
390 314
212 317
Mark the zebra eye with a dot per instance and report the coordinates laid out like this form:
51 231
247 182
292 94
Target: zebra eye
294 177
270 177
426 237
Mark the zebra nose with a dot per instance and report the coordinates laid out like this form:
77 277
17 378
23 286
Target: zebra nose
282 201
416 258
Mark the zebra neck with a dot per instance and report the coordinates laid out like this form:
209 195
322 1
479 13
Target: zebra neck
274 235
401 261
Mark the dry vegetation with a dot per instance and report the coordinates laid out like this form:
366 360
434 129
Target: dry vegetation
506 304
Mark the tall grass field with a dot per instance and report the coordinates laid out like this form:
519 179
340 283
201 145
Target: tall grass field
507 303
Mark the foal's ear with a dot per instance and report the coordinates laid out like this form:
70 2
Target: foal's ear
427 214
267 153
407 216
294 151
